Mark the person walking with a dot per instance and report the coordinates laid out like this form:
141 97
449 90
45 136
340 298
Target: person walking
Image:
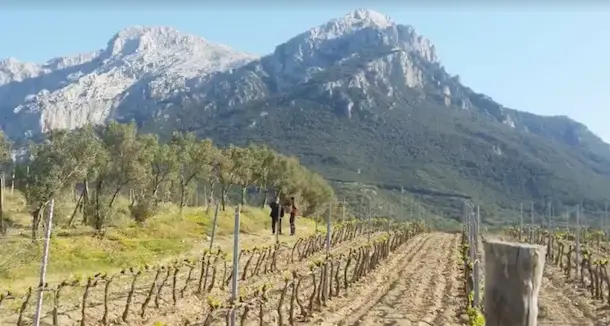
293 215
277 212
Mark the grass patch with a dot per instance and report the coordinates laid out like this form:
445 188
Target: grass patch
166 236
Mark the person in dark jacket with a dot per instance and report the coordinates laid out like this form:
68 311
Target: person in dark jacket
277 212
293 215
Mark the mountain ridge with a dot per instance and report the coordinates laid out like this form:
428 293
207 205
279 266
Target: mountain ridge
360 83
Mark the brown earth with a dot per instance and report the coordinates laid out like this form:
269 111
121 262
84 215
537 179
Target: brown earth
419 285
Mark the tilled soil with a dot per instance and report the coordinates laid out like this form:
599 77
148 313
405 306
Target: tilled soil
418 285
563 302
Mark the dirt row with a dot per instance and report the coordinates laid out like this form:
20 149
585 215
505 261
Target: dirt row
420 284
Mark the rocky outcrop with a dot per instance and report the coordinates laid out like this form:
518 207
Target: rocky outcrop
69 92
360 61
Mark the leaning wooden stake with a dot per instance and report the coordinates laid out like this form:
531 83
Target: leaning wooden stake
43 266
513 275
235 279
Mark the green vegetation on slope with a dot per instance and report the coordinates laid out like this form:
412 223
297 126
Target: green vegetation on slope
440 154
124 198
115 160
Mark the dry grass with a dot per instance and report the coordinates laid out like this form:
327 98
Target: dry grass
166 236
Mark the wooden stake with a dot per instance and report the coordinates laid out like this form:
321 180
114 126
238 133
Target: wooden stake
513 275
235 279
43 267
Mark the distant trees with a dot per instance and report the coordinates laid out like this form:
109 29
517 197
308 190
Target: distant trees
115 160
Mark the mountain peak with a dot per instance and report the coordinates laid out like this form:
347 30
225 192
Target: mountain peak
351 22
139 38
367 16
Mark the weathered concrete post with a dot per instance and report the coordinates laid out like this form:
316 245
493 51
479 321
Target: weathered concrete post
513 275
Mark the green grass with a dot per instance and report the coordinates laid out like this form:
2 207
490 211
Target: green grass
165 237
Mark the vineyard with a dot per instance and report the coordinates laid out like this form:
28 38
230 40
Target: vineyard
281 283
576 287
133 242
371 272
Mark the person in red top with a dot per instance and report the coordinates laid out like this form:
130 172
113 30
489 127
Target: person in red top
293 215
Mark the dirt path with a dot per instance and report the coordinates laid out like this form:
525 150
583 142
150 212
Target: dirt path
419 285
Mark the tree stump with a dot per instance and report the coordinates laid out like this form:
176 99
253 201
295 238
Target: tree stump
513 275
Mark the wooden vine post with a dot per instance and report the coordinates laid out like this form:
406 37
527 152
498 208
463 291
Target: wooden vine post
513 275
214 224
326 288
235 278
532 231
520 222
474 247
43 267
577 253
3 226
369 222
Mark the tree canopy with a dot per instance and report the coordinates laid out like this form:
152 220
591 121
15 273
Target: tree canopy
106 162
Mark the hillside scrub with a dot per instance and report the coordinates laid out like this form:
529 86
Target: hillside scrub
98 166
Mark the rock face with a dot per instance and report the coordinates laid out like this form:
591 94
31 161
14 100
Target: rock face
360 93
143 69
69 92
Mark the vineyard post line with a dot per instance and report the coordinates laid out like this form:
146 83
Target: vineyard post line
235 278
326 288
577 253
476 265
532 231
12 183
278 223
43 267
369 221
389 217
214 223
604 217
520 222
473 239
328 228
213 236
3 226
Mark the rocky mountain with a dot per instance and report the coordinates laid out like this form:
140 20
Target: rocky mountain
146 64
360 98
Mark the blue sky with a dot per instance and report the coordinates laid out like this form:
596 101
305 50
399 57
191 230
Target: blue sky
546 60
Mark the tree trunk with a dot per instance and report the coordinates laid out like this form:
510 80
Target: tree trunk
182 196
36 217
114 196
206 202
86 200
513 275
78 205
210 198
244 192
99 215
265 197
223 196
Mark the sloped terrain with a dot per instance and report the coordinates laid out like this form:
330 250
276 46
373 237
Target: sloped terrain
359 98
